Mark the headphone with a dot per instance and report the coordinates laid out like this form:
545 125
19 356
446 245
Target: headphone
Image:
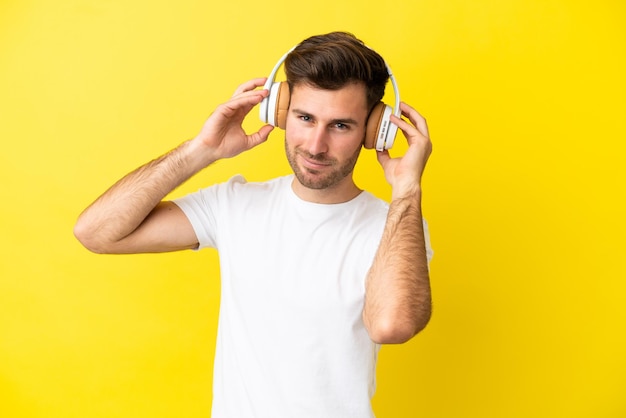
380 133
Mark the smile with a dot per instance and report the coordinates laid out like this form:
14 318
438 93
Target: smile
315 164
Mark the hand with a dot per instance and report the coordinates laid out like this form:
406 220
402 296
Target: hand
404 174
223 134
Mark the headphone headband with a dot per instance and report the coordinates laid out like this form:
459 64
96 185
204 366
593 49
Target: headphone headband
272 76
384 131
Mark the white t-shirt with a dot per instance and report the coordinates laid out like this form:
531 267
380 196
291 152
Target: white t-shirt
291 340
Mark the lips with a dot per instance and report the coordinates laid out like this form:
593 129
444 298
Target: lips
315 163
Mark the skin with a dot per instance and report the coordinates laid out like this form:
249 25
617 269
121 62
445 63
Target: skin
398 299
324 133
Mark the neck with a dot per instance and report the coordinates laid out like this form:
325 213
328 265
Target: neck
339 193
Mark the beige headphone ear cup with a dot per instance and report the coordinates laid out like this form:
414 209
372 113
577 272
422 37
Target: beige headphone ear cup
282 105
373 125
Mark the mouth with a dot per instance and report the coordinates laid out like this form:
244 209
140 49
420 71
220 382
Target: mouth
313 163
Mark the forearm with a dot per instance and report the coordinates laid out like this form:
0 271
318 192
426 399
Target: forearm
398 298
123 207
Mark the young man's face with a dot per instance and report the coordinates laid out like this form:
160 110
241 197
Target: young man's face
324 133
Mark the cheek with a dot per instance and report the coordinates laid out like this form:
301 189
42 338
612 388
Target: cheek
354 143
291 131
297 136
289 141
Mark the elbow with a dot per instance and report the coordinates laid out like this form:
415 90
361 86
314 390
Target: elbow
89 238
397 330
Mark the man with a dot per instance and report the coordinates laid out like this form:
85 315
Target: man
316 273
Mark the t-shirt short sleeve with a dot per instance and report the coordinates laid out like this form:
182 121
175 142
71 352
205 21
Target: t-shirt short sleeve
202 208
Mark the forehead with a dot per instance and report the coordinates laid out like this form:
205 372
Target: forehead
347 102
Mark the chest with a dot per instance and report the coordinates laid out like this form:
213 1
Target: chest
303 261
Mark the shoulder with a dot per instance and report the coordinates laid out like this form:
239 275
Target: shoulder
239 183
235 191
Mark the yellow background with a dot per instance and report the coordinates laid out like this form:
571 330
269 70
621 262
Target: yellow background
524 195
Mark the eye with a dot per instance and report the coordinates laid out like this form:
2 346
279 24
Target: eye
305 118
341 126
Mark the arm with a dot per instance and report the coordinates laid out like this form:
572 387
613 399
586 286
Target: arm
397 295
131 217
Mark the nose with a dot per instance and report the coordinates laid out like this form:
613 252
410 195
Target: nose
317 141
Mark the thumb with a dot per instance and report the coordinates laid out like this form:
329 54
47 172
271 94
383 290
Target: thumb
383 157
261 135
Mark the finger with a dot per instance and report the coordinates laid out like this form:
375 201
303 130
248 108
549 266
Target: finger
415 117
261 135
383 157
411 133
408 129
245 99
250 85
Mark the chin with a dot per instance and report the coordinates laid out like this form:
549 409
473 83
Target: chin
316 181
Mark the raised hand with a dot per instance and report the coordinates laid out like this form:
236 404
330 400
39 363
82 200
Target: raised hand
404 173
222 134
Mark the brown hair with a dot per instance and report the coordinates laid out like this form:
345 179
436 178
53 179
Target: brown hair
335 59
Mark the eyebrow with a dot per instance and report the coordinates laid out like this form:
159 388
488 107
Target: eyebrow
345 121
